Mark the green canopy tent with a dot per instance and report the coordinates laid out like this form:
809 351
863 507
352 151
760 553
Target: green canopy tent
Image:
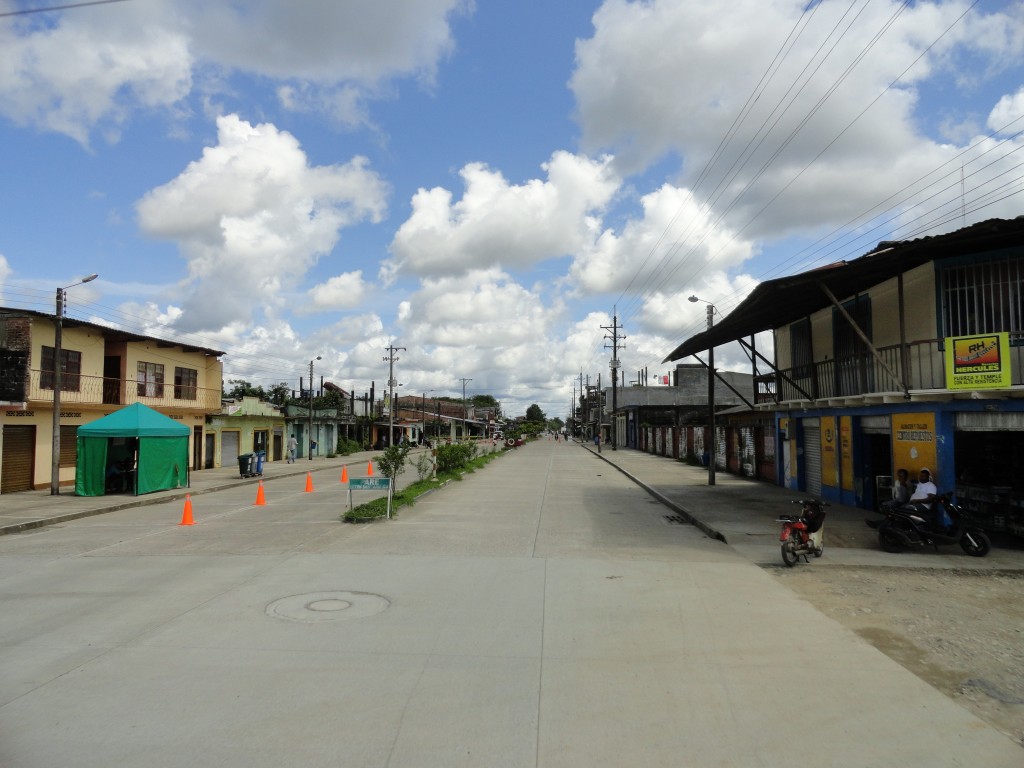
161 443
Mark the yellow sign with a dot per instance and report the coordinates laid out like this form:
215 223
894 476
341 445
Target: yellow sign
913 442
978 362
829 440
846 451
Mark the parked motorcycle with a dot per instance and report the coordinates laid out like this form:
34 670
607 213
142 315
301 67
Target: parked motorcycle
907 526
802 534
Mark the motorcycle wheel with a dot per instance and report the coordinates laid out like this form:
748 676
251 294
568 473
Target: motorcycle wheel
889 541
975 543
789 555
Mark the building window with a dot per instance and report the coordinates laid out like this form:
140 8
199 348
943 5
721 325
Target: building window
801 354
70 370
985 297
149 378
185 383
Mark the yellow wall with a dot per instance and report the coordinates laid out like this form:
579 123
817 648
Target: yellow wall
829 452
87 341
208 369
85 406
913 442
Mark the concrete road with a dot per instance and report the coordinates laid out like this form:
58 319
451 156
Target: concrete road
542 612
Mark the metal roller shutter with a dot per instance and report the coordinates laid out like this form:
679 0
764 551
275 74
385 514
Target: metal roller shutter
18 458
228 449
720 446
747 466
812 459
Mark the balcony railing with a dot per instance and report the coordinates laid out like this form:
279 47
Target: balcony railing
97 390
864 375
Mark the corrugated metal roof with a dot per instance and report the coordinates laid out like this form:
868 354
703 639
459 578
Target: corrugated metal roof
110 331
775 303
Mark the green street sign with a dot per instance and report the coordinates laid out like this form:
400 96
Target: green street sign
369 483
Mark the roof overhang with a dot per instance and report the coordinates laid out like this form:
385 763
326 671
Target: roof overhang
776 303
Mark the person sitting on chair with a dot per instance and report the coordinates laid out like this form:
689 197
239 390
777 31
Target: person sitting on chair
114 478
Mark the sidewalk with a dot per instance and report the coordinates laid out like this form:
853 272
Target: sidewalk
741 512
34 509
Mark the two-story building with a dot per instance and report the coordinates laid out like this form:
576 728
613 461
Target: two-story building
102 370
909 357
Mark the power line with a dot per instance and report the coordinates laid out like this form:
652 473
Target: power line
26 11
659 275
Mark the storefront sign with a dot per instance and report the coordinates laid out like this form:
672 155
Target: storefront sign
913 442
846 451
978 362
829 440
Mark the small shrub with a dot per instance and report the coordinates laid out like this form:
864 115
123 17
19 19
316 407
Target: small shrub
453 457
392 461
424 466
347 447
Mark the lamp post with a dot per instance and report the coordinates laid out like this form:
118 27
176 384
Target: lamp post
58 328
390 360
465 411
310 440
711 392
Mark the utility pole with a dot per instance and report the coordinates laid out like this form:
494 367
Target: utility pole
58 363
711 392
572 409
309 440
390 360
465 412
614 364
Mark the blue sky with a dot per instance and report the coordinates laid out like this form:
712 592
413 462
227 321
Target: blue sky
482 183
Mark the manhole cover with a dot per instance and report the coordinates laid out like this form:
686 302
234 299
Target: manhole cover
317 607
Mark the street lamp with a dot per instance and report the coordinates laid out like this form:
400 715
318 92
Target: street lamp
57 334
711 393
310 441
465 411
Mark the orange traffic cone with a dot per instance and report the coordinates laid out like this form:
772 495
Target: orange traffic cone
369 468
260 498
344 473
186 516
309 482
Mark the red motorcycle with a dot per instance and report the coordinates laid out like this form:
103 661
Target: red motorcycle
802 534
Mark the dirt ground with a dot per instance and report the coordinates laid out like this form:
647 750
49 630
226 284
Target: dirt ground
961 631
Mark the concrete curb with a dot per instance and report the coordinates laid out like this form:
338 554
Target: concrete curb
686 514
178 494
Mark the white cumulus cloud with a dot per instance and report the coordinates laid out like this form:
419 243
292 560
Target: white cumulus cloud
497 223
252 216
339 292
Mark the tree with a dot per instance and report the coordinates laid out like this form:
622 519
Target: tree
487 401
279 393
534 413
555 424
242 388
